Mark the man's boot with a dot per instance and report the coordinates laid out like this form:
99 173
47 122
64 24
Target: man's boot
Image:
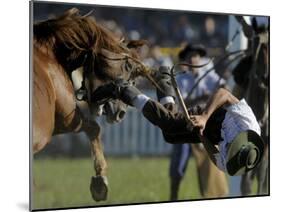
163 79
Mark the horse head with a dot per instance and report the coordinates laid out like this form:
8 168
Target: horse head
78 41
109 65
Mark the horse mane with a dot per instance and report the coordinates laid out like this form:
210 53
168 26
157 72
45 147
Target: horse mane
75 32
72 38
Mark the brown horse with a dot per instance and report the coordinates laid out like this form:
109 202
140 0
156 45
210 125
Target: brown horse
61 45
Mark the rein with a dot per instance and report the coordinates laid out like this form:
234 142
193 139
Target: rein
82 93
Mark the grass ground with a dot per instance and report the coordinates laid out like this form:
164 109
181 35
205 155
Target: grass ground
65 183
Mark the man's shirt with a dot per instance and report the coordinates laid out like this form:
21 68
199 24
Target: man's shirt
206 86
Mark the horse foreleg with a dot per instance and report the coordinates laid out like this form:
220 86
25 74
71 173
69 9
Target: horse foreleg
99 183
75 122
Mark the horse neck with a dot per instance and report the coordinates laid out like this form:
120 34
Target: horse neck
46 57
43 50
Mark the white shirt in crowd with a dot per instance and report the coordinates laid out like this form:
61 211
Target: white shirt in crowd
206 86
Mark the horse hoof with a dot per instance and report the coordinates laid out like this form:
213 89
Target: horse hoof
99 188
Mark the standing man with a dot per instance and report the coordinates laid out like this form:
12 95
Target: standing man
193 95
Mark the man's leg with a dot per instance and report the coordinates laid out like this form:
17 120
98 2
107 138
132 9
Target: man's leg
178 164
212 181
165 114
180 152
173 124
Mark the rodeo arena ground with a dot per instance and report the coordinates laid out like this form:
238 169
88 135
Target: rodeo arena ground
103 83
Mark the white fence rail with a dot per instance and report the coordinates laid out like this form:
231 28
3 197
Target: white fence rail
132 137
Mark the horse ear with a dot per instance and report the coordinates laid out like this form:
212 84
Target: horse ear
88 14
122 40
136 43
71 12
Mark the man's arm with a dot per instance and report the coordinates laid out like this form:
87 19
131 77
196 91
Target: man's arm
196 101
222 97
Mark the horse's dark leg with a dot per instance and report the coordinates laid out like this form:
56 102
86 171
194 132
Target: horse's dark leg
262 175
261 172
246 183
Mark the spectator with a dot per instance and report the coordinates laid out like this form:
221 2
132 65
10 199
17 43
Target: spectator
157 59
182 30
196 55
210 36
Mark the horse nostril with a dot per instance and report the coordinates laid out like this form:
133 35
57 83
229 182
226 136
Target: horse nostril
121 115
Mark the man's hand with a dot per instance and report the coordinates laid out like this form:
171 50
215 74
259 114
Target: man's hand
199 121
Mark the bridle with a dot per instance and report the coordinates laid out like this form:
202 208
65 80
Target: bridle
82 94
126 67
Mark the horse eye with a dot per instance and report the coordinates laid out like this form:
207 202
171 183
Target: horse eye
128 66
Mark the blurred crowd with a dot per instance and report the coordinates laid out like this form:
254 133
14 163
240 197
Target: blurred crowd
160 27
167 36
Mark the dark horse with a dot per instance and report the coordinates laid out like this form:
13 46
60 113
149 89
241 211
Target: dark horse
61 45
252 78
